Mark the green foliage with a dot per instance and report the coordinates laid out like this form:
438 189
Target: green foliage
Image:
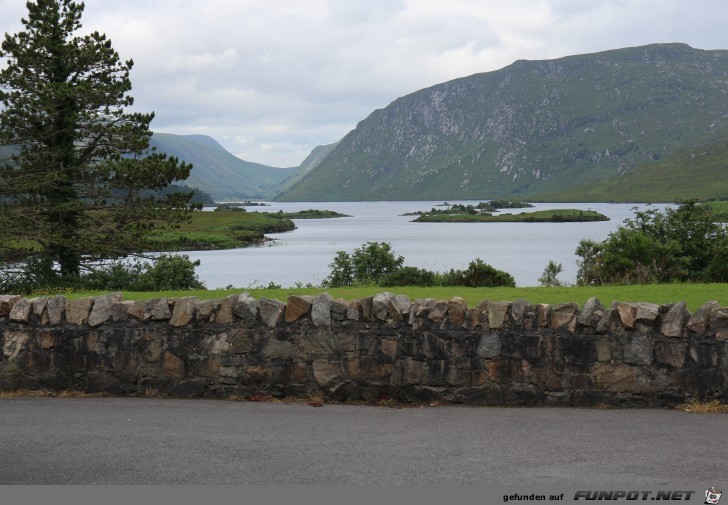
549 276
679 244
166 272
83 185
411 276
478 274
366 265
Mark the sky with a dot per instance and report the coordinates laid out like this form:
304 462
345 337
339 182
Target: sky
272 79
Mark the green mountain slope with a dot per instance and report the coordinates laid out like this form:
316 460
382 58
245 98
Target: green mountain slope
698 173
530 128
218 172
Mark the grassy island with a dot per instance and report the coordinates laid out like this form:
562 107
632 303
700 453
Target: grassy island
541 216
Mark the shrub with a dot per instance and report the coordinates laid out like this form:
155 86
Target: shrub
366 265
677 245
478 274
410 276
549 276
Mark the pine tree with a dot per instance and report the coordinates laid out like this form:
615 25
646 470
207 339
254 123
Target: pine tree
77 188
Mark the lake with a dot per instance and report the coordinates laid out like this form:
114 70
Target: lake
304 255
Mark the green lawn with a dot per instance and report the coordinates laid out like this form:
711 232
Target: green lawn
693 294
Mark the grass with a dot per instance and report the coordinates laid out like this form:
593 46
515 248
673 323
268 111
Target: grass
694 295
218 230
696 406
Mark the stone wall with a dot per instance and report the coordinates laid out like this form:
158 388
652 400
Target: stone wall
376 348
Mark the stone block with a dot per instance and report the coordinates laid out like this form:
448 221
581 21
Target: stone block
615 377
321 310
563 315
6 303
627 313
671 353
157 309
489 346
497 312
185 310
298 307
479 315
354 311
224 314
543 314
56 307
457 307
271 311
699 321
173 367
674 321
20 313
102 306
639 351
591 312
328 374
437 311
338 309
247 310
77 311
647 312
206 309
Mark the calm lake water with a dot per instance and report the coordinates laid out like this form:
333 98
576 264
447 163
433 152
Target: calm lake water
304 255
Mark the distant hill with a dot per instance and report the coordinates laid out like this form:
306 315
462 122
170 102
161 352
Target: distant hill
536 127
218 172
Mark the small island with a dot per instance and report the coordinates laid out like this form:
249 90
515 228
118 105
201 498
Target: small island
482 207
541 216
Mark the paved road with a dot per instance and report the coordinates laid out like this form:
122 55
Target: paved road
150 441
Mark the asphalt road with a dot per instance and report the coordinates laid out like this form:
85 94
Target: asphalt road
153 441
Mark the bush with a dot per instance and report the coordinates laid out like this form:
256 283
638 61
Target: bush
549 276
677 245
410 276
366 265
166 272
478 274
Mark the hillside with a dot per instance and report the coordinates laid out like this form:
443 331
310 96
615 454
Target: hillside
218 172
697 173
533 127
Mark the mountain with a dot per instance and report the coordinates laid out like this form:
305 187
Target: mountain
218 172
530 128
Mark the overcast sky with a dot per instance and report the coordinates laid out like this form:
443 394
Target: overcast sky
272 79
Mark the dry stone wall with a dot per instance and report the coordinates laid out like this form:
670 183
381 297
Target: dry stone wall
375 348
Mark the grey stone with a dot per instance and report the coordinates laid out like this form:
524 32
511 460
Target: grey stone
271 311
6 304
102 306
206 309
39 306
438 311
77 311
456 310
606 321
563 315
21 311
247 310
157 310
699 321
400 304
647 312
674 321
497 312
479 315
184 311
591 313
354 311
518 311
380 305
224 314
639 351
489 346
338 309
321 310
56 307
328 374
